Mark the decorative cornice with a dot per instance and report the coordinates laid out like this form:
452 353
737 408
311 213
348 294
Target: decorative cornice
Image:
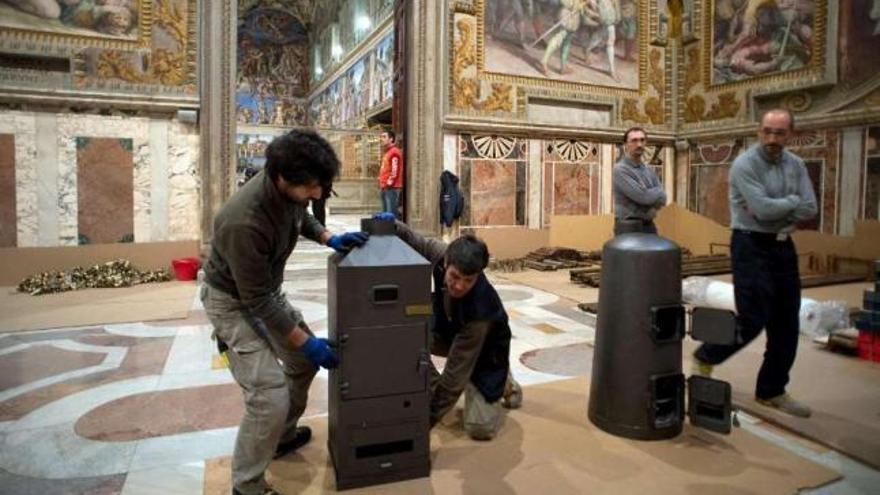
484 125
804 122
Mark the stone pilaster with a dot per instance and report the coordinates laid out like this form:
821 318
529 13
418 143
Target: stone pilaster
217 121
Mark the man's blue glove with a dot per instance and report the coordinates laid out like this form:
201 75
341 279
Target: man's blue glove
385 215
343 243
319 352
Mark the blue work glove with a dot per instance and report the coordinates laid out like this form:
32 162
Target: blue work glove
343 243
319 352
385 215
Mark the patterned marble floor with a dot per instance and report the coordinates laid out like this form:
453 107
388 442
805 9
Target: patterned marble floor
139 409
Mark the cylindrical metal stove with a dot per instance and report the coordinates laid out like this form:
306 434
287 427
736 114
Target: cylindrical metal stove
637 387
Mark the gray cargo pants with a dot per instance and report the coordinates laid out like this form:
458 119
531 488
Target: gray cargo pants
482 419
274 379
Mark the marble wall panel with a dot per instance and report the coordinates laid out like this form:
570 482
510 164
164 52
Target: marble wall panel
8 228
493 191
595 187
872 188
820 151
105 190
184 185
709 192
548 193
22 126
46 175
72 126
571 189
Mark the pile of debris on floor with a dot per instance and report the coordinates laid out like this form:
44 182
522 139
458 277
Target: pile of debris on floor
118 273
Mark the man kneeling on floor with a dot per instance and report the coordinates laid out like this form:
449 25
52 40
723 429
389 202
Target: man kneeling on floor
470 329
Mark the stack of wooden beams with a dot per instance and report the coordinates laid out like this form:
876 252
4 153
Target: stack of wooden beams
555 258
712 264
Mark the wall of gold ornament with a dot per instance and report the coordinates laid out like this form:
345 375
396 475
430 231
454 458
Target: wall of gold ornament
560 65
136 48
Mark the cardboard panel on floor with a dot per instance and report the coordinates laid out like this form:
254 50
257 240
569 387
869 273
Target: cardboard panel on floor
18 263
548 446
512 242
584 232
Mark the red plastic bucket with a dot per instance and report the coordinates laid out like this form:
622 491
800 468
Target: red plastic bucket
186 268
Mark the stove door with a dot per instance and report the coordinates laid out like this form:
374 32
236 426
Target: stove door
384 360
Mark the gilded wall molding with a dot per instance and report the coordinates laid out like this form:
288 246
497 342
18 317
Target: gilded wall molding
156 58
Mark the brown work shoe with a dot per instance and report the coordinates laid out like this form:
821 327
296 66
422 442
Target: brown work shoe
787 405
513 395
301 437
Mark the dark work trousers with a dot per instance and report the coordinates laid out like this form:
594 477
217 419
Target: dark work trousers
767 290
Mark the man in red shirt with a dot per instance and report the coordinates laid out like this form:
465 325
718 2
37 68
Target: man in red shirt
390 172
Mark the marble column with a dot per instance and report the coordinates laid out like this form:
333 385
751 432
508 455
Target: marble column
426 53
682 166
851 165
219 20
535 175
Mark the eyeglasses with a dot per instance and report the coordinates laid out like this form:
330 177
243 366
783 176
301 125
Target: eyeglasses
774 131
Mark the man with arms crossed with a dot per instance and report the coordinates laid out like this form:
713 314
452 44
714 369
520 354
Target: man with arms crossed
770 191
638 193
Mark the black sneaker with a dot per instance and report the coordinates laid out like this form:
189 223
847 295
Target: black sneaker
301 437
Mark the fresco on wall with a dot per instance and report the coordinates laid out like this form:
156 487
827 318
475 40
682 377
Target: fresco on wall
591 42
859 40
364 86
251 155
752 38
117 19
272 68
382 60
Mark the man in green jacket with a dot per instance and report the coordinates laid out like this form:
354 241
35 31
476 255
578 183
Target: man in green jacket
272 353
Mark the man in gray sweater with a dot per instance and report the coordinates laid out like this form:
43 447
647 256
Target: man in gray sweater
770 191
272 353
638 193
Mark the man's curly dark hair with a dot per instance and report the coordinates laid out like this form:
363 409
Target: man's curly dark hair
302 157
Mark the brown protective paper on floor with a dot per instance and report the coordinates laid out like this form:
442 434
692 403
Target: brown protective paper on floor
843 391
158 301
549 447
